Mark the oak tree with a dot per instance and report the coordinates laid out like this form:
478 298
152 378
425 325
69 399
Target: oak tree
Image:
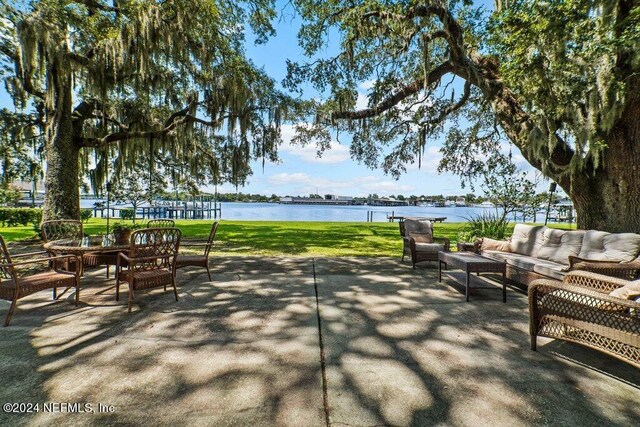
111 80
559 79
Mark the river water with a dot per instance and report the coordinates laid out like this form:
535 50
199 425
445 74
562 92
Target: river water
283 212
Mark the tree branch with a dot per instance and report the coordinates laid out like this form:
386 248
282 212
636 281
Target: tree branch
408 90
96 5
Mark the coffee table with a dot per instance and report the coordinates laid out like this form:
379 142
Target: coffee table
471 262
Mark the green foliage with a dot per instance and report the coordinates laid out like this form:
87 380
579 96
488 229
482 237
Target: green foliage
20 216
86 214
128 214
9 195
489 225
149 81
567 61
122 226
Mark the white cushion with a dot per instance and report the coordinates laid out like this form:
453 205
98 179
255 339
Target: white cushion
629 291
558 245
495 255
522 261
550 269
603 246
429 247
527 239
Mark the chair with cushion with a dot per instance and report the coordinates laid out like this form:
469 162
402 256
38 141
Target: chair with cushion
14 285
419 242
161 223
150 262
591 309
198 260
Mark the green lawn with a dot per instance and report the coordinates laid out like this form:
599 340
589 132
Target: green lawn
285 238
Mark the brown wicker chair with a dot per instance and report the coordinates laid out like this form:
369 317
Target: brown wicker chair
580 309
198 260
72 229
14 286
150 262
412 230
161 223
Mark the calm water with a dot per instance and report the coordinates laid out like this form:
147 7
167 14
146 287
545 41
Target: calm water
280 212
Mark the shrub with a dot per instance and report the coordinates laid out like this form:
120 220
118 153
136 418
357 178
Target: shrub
127 214
12 217
10 195
485 225
86 214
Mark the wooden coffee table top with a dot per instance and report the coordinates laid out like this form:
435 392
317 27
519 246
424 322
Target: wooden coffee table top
469 261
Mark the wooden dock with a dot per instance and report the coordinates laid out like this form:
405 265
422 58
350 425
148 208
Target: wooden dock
392 218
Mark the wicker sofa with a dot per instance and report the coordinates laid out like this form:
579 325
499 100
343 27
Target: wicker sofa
538 252
583 309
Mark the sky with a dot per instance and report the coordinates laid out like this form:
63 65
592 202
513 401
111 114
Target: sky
302 172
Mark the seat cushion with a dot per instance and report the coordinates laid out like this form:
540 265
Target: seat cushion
429 247
550 269
527 239
522 261
495 255
603 246
559 245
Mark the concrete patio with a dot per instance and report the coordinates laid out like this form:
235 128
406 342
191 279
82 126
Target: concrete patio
303 341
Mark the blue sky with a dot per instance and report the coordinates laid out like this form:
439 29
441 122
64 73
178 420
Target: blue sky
301 172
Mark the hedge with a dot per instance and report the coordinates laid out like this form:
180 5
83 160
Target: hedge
11 217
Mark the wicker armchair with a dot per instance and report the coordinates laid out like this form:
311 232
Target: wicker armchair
198 260
72 229
14 286
150 262
161 223
580 309
415 237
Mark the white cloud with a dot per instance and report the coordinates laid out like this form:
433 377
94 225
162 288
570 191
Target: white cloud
336 154
429 163
367 84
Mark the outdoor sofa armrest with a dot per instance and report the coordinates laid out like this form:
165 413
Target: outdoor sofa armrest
574 302
595 281
625 270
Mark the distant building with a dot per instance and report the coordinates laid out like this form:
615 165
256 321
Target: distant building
386 201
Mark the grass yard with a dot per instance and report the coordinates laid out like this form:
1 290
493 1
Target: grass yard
332 239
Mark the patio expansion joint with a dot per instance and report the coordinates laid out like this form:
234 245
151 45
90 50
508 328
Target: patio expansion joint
323 364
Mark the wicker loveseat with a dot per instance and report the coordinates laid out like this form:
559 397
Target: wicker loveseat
580 309
538 252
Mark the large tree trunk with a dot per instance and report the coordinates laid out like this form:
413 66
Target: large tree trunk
62 195
609 199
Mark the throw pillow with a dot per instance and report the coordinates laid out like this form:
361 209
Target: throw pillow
495 245
629 291
421 237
